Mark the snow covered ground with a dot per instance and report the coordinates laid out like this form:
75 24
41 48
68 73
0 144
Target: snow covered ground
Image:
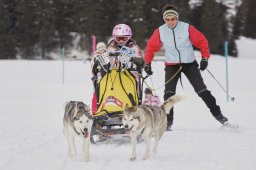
32 99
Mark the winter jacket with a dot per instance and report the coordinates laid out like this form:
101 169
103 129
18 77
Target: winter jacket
177 43
152 101
112 46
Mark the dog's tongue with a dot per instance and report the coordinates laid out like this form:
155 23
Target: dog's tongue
85 134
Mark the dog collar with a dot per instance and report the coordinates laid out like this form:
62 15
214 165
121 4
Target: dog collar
76 131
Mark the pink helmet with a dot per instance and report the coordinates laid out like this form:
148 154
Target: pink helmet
122 33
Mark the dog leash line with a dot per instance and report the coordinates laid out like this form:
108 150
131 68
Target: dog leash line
155 89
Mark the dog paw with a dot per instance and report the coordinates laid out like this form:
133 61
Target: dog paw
132 158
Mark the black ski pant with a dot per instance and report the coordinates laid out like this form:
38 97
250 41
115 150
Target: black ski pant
194 76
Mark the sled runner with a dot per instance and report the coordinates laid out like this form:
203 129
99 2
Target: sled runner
118 82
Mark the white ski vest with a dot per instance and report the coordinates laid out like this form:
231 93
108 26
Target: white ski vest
176 42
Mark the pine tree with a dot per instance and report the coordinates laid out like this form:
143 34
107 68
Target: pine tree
28 27
8 29
125 12
153 17
92 18
111 13
138 22
34 27
183 9
229 31
101 20
63 23
47 36
195 15
250 19
213 25
239 23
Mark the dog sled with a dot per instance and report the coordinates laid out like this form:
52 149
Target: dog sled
117 82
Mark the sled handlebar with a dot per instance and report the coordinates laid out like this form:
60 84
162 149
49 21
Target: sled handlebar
114 54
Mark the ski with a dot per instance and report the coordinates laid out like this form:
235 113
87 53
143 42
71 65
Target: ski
231 126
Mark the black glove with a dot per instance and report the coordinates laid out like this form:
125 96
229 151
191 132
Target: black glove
203 64
138 61
148 69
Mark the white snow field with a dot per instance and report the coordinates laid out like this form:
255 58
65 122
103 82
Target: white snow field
32 99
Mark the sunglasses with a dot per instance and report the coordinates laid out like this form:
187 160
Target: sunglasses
170 19
123 38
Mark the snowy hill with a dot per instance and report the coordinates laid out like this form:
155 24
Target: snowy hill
31 109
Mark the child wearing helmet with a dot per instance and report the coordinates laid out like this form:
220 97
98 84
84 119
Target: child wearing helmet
122 36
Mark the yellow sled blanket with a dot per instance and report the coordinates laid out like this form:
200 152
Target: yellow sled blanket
116 89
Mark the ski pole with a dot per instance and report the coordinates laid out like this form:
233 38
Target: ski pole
232 98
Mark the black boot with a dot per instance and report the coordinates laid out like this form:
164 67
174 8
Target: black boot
210 101
222 119
170 115
169 120
218 115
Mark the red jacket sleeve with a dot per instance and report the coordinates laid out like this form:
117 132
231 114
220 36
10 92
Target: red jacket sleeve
199 41
154 44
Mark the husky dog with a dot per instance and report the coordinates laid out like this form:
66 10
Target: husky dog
147 121
77 121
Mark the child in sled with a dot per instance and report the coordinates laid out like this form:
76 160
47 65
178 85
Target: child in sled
121 36
150 99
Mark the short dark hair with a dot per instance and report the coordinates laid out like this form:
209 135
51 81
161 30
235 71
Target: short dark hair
148 91
169 7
